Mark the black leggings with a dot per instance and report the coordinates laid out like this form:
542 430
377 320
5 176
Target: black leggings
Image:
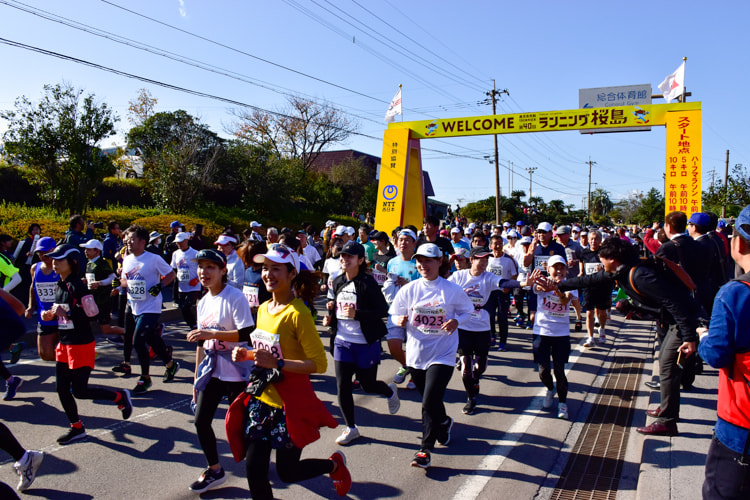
288 465
472 367
205 409
78 379
4 373
129 321
9 443
431 384
367 380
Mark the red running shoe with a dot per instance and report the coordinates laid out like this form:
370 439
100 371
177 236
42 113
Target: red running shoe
342 480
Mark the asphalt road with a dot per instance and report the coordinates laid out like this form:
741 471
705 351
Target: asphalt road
508 448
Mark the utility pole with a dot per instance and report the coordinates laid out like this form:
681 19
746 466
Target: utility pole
726 188
531 171
588 206
493 96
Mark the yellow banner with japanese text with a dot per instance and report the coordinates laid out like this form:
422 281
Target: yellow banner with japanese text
392 183
544 121
683 177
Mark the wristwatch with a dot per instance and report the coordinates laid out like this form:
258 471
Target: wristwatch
280 364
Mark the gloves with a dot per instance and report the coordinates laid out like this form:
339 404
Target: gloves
155 290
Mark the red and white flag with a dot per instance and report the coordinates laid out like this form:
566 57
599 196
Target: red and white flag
673 86
394 108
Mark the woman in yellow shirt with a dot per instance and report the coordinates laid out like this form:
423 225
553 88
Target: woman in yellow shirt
285 340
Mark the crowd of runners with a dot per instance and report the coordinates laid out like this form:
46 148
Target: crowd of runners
442 296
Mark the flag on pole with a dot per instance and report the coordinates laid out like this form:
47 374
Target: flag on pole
673 86
394 108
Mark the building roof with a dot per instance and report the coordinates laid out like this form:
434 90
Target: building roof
327 159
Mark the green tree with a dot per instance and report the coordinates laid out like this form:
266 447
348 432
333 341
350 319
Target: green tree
735 196
482 210
141 108
601 203
57 142
353 177
181 157
651 209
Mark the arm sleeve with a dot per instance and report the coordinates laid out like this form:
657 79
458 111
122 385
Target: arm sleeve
14 281
717 348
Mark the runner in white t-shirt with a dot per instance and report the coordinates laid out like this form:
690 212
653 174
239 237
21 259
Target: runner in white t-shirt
474 335
144 274
552 334
189 289
431 309
225 321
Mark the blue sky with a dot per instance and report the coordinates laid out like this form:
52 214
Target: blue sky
444 53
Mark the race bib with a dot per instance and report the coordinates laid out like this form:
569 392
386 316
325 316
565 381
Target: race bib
553 306
540 262
90 278
251 294
46 290
592 267
64 323
218 345
261 339
183 274
137 289
478 303
496 269
428 320
345 299
379 276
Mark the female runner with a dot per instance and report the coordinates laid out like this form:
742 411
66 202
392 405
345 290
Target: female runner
75 352
287 415
430 309
224 322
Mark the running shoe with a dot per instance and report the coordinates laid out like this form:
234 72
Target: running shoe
602 335
170 371
125 405
123 368
589 342
356 386
579 326
144 384
444 434
400 375
411 385
15 352
73 434
459 365
502 347
470 406
117 340
209 479
562 411
27 470
421 459
342 480
11 386
529 325
349 435
549 399
393 402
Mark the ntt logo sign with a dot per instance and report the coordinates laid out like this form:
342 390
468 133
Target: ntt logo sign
390 192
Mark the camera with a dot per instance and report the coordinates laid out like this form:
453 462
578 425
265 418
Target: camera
97 225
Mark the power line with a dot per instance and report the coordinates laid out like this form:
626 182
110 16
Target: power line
243 52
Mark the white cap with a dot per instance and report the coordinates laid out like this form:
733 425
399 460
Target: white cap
506 224
429 250
339 230
224 239
467 230
350 230
280 254
93 243
544 226
180 237
556 259
512 233
455 230
525 240
255 224
472 226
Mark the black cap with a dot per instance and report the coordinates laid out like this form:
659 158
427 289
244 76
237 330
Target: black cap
353 248
379 235
211 255
64 251
480 252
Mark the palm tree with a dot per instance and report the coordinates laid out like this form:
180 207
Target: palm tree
600 202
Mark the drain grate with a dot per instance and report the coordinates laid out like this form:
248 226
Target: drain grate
595 463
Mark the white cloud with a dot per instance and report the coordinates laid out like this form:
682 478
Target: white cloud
182 10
